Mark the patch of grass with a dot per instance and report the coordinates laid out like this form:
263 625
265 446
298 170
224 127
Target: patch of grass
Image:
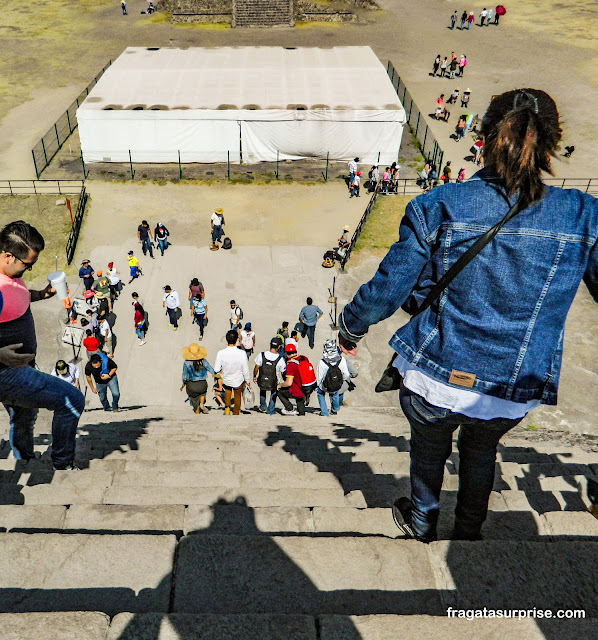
52 221
382 228
532 427
316 24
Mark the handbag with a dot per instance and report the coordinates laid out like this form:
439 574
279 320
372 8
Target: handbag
248 397
391 378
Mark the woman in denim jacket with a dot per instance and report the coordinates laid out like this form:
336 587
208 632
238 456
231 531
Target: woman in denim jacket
488 349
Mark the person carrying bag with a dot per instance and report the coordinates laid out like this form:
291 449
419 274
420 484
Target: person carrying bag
484 345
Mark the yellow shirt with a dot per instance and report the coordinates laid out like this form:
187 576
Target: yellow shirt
133 262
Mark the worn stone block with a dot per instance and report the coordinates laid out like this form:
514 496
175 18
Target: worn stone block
392 627
180 478
54 572
165 466
572 525
265 480
62 494
349 521
517 575
177 626
34 517
241 520
60 626
259 574
163 518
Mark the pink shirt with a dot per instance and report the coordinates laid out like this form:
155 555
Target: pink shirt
385 176
14 298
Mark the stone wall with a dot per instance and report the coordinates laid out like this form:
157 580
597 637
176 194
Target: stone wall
263 13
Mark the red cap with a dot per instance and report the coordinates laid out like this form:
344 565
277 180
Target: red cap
110 265
290 348
88 294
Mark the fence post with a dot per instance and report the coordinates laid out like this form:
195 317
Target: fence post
277 156
424 142
68 119
56 132
326 174
35 164
589 183
83 165
131 166
180 170
228 164
410 108
403 98
45 155
10 188
417 125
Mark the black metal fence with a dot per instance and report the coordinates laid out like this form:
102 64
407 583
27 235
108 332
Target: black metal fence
360 225
71 243
56 136
428 144
40 187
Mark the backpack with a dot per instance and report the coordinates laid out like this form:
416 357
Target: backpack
370 174
334 379
240 313
307 374
266 378
227 243
247 341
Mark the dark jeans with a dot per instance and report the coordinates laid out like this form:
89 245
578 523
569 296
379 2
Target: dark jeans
87 283
431 444
217 233
200 319
285 397
172 316
146 245
103 393
23 391
310 332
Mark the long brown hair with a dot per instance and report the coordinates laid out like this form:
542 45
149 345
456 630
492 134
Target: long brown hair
521 132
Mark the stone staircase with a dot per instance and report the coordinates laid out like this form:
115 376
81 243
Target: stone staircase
259 527
262 13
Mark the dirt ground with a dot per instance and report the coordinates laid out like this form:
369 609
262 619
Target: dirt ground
52 48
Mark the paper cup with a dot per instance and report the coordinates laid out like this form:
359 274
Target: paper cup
57 280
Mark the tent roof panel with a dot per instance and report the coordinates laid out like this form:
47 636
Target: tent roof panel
270 77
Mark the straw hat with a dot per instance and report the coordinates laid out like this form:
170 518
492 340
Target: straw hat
194 352
219 210
346 228
99 294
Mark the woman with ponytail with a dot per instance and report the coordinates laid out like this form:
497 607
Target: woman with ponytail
488 270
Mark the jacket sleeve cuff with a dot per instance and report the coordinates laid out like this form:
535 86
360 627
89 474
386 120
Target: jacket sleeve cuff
344 331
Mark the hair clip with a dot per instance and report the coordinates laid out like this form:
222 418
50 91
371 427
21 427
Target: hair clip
525 99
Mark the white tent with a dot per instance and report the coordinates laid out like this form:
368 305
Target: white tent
247 104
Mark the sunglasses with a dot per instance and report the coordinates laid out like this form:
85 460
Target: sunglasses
27 265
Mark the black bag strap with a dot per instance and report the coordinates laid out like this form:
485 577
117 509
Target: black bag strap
465 259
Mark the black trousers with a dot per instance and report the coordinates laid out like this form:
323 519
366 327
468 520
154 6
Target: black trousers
285 397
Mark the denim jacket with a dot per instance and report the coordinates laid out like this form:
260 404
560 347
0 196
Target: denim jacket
502 318
190 375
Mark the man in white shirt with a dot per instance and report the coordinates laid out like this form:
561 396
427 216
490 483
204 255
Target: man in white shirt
67 372
232 365
236 315
216 221
265 380
172 303
114 281
106 338
293 339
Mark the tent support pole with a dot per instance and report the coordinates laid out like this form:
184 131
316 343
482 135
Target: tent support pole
228 164
180 169
326 173
131 166
83 165
277 157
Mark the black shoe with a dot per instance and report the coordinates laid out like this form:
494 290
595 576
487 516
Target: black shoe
401 513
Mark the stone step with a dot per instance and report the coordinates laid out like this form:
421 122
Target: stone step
51 572
176 626
255 497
